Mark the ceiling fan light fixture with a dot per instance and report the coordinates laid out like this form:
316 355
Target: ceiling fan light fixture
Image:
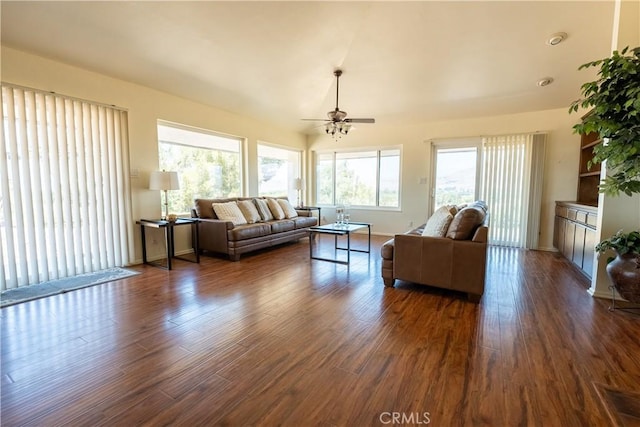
329 128
344 128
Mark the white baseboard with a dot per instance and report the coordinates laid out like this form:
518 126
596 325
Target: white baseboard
601 294
161 256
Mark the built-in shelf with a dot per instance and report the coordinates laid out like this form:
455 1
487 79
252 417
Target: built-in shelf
588 178
592 143
574 233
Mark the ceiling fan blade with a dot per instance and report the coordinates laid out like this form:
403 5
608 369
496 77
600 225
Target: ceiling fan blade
359 120
317 120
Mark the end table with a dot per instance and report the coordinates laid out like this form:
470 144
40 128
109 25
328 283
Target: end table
168 227
309 209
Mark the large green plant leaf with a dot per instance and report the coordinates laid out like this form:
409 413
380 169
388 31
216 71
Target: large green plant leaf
614 100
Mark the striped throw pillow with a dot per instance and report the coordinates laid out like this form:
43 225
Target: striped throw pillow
263 209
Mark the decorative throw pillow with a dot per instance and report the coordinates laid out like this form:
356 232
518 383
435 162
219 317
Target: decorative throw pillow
289 211
249 211
275 209
263 209
439 222
465 222
229 212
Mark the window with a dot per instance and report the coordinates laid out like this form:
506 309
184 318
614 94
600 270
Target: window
278 168
208 164
359 178
324 178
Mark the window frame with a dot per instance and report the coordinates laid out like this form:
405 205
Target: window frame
241 150
454 144
378 150
290 184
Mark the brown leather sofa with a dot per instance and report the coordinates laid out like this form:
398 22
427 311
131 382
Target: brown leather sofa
224 237
457 262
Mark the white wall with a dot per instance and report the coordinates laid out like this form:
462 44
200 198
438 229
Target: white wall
145 107
560 171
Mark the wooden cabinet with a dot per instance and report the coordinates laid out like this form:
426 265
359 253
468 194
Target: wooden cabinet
588 179
575 234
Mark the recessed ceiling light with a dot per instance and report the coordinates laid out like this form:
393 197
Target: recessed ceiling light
556 39
546 81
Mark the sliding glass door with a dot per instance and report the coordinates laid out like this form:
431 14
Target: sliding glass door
504 171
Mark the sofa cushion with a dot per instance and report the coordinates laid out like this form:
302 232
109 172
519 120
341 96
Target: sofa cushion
248 231
275 209
229 212
282 225
289 211
466 221
249 210
438 224
304 221
263 209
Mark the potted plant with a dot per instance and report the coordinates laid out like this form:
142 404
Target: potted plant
614 100
624 269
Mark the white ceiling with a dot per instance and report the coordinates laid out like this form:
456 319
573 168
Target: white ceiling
403 61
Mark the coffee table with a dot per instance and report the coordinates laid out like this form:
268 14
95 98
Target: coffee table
339 230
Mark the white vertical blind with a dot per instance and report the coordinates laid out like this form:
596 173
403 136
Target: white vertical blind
511 186
538 148
65 197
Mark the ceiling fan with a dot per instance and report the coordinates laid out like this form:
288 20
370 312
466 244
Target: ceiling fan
338 124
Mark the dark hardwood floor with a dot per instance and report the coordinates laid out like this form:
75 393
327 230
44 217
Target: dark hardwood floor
277 339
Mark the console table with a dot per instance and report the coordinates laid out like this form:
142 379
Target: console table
168 227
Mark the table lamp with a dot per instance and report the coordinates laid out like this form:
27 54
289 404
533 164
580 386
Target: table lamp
165 181
298 184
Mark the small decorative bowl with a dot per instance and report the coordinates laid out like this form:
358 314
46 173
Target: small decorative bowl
172 217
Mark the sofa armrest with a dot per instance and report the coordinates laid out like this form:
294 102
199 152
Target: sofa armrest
213 234
481 234
438 261
423 259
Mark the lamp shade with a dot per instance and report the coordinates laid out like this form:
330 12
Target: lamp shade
297 183
163 180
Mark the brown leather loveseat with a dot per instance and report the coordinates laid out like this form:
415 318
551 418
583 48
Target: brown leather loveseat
456 260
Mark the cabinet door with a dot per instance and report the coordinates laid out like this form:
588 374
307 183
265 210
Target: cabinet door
569 235
578 245
558 233
589 251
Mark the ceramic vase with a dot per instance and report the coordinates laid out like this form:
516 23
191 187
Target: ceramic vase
624 272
